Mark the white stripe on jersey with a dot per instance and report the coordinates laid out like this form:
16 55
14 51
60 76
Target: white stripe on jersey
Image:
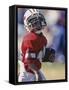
40 55
29 55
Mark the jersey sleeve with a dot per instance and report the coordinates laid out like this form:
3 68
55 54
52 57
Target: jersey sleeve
30 59
28 51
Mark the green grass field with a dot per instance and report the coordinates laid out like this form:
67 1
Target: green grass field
53 71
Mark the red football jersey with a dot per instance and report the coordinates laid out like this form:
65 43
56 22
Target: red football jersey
32 44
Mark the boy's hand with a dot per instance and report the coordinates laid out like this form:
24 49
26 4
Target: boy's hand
49 55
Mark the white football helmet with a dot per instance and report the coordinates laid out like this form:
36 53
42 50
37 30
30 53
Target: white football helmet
34 20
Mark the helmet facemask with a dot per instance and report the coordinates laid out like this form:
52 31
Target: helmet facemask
36 22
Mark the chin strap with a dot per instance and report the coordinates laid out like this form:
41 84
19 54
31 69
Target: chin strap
38 32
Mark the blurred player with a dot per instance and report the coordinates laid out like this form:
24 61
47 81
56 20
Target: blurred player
33 47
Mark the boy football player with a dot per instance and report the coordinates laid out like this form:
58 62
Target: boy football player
33 47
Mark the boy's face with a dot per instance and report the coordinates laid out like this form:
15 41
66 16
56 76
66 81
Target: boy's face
45 29
35 26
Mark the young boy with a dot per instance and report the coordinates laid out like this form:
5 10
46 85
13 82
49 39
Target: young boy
34 47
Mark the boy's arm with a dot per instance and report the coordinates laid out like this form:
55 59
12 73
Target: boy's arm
30 57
